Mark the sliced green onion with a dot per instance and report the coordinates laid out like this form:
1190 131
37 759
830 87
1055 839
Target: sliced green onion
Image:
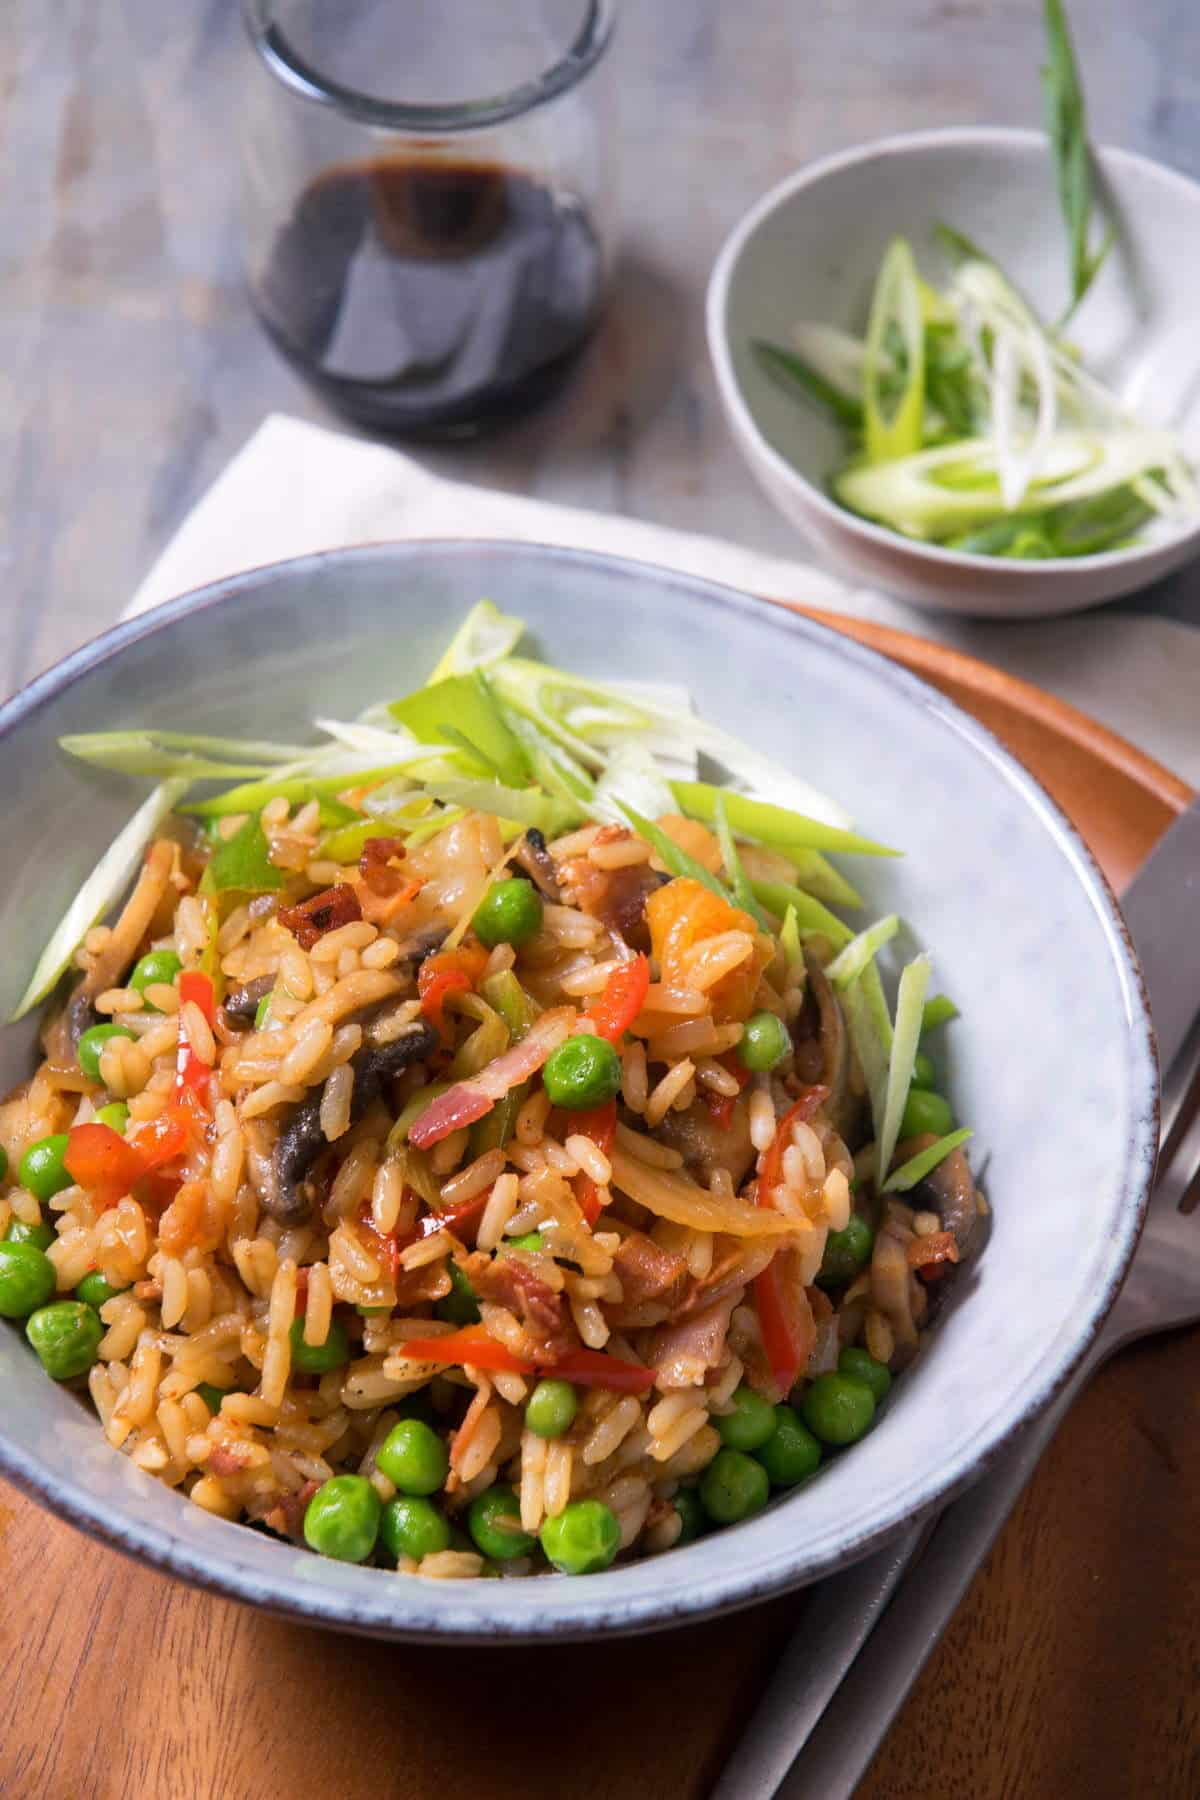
774 825
910 998
178 753
777 896
790 945
849 963
485 637
253 796
242 864
672 857
799 378
523 806
101 891
870 1035
739 882
893 424
461 707
631 778
817 875
924 1162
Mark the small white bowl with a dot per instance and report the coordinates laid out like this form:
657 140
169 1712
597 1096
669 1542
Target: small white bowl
810 249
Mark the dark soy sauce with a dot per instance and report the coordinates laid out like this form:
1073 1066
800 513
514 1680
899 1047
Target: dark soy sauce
432 297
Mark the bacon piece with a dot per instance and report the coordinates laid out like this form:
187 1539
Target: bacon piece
652 1279
682 1353
374 865
311 919
509 1281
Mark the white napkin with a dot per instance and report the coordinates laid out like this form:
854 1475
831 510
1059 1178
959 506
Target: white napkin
297 487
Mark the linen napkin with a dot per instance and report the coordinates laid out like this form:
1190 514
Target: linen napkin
297 487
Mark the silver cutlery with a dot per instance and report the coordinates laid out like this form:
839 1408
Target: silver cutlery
865 1635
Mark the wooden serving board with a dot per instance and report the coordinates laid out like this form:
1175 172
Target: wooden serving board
1070 1669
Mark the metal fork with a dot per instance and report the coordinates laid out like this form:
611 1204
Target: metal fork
837 1733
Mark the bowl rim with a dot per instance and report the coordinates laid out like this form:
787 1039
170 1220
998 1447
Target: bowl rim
944 137
454 1618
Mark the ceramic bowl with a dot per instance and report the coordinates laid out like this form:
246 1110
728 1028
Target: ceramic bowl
1051 1060
811 248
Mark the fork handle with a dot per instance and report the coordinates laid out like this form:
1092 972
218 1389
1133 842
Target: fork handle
842 1744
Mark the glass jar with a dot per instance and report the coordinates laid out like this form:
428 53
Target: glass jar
426 200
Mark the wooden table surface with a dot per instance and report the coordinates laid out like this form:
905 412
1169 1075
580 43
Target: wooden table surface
130 371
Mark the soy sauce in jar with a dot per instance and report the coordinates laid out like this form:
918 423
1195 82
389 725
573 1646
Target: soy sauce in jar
426 296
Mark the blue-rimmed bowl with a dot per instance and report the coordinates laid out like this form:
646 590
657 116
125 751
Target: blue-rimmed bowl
1052 1060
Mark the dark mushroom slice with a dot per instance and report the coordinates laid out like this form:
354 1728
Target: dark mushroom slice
242 1003
949 1190
420 944
823 1055
532 857
292 1194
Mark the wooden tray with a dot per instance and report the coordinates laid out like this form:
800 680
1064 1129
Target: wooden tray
1070 1668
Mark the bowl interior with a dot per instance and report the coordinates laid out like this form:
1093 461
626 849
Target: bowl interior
1051 1061
812 249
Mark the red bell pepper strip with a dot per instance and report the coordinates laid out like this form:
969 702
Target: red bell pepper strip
454 972
600 1124
786 1322
587 1368
102 1161
192 1075
613 1011
109 1165
784 1316
472 1344
592 1368
771 1169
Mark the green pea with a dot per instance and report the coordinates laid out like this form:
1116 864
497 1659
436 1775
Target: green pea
550 1409
318 1359
93 1290
861 1367
41 1235
583 1072
846 1252
583 1539
749 1424
925 1111
65 1336
494 1521
262 1011
414 1457
414 1527
924 1073
26 1279
764 1043
461 1305
158 968
509 913
93 1044
695 1519
42 1169
115 1115
211 1396
528 1240
732 1487
791 1453
342 1519
838 1410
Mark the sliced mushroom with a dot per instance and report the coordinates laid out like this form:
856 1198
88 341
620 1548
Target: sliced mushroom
292 1194
843 1108
242 1003
949 1190
705 1145
532 856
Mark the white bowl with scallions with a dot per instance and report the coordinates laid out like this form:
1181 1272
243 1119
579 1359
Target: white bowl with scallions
895 345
